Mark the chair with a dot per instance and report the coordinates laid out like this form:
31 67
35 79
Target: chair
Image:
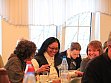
1 62
4 76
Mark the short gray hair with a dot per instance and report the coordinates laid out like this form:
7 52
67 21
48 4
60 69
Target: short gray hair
75 46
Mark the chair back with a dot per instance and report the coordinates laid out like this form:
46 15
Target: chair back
4 76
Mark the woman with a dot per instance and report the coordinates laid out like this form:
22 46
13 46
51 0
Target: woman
73 56
94 49
98 69
24 51
47 60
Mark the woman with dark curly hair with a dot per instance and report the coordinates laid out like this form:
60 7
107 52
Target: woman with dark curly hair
47 57
24 51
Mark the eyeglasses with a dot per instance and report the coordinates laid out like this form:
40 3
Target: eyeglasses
109 46
52 48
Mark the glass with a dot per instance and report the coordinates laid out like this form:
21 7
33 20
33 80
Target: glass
44 78
52 48
56 80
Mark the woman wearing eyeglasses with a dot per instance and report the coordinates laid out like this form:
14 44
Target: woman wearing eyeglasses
47 60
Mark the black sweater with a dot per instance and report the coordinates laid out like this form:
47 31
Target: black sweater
98 70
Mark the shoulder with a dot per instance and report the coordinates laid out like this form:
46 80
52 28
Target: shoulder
63 52
96 62
13 59
37 56
85 60
35 64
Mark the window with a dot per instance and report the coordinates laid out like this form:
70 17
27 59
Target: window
78 30
39 33
0 37
47 18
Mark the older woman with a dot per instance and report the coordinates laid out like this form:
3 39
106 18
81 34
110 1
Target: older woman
25 50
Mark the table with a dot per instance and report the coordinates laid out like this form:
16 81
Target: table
76 80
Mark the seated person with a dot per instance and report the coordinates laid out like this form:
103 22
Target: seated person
1 62
94 49
73 56
105 47
46 60
98 70
15 66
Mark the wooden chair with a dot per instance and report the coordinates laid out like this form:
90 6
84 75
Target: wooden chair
4 76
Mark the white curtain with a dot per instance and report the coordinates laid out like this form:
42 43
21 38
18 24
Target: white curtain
15 12
48 12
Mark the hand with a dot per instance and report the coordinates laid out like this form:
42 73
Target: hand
79 73
43 68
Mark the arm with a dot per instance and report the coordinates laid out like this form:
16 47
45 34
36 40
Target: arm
14 71
41 69
91 74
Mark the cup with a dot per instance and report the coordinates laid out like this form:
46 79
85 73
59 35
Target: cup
43 78
57 80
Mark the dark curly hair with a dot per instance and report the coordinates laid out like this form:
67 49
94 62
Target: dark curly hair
25 49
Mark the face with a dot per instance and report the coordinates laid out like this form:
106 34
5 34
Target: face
52 49
109 50
92 52
75 54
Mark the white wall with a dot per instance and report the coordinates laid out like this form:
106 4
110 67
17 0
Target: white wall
105 27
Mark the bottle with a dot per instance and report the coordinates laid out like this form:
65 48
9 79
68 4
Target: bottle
64 64
64 70
29 76
28 64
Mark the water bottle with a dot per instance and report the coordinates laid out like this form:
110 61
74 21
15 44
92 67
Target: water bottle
29 76
28 64
64 70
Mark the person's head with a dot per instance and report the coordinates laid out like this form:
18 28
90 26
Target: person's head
75 49
94 49
105 46
25 50
109 45
51 45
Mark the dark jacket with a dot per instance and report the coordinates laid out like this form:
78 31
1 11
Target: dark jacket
98 70
70 60
42 61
